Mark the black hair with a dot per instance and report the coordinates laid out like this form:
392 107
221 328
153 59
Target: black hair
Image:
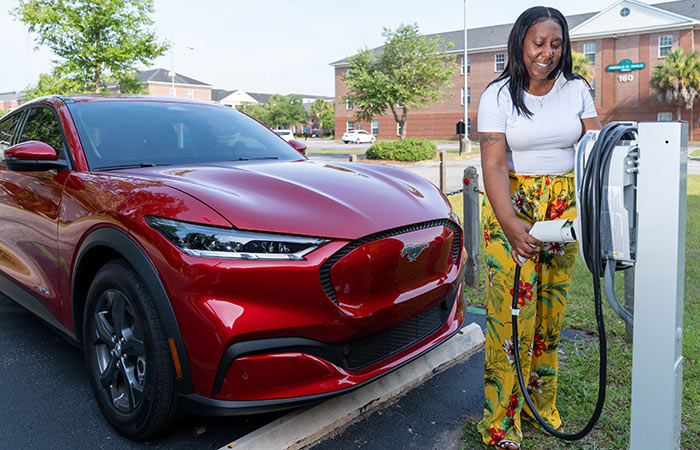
515 71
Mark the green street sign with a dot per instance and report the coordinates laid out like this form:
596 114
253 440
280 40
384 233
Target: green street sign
625 66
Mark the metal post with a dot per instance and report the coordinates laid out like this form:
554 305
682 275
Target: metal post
657 361
472 230
443 172
465 144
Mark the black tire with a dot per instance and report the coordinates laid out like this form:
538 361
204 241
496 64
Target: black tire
127 354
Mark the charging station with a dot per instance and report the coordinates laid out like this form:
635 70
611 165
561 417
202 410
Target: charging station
657 365
631 186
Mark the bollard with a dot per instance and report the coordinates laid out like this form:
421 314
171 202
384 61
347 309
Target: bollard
471 226
443 172
353 158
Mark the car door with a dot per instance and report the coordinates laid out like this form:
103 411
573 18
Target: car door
29 207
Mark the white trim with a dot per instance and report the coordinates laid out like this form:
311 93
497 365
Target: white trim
496 62
617 4
658 45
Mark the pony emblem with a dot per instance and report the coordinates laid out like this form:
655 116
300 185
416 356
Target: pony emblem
413 251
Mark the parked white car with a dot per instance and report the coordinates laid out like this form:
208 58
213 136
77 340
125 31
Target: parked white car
287 135
357 136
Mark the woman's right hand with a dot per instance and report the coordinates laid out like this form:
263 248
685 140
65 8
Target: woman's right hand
522 243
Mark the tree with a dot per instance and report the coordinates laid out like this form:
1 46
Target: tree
582 66
677 79
95 41
324 113
278 112
52 84
409 72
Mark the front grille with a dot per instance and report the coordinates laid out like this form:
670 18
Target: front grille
368 350
325 270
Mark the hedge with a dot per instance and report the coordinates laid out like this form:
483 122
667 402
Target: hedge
411 149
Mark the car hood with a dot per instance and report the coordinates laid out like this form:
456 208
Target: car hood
345 201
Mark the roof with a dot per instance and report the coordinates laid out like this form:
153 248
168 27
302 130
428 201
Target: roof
11 96
220 94
161 75
260 98
497 35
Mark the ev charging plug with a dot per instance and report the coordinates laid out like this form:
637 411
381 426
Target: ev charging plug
562 230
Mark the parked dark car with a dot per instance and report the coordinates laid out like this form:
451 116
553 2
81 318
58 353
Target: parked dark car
203 263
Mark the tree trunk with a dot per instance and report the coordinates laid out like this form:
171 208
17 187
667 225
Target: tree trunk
403 124
98 80
678 112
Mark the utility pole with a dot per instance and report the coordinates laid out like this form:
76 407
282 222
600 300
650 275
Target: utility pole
466 144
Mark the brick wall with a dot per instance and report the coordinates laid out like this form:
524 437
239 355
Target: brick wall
199 93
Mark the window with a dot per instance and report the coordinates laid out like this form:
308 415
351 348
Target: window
7 130
349 125
589 51
664 116
190 94
469 126
665 44
500 59
593 89
469 64
398 129
172 92
42 125
348 103
469 96
375 127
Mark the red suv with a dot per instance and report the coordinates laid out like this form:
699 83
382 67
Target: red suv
203 263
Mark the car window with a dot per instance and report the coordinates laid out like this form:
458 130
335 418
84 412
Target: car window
7 130
42 125
131 133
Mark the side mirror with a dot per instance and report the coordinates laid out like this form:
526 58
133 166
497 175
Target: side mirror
32 156
298 146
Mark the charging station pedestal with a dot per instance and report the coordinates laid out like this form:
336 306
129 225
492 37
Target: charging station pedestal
657 366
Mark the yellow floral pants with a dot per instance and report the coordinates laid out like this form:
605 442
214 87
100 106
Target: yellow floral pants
542 293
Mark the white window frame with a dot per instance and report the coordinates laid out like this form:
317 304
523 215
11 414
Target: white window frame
497 62
469 96
461 64
665 47
348 103
172 92
469 126
375 127
469 64
589 51
349 125
398 129
190 94
664 117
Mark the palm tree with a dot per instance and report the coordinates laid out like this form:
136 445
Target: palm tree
323 112
677 79
581 66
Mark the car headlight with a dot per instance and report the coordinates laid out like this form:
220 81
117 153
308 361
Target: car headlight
214 242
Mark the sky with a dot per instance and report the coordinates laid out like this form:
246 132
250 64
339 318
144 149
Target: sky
274 46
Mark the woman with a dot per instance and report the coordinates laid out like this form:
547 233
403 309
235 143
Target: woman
530 118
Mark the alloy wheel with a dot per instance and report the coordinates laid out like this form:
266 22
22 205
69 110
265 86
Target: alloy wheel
120 354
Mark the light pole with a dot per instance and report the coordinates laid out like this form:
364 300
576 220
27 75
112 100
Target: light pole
466 143
172 69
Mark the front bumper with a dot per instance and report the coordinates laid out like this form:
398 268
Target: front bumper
280 351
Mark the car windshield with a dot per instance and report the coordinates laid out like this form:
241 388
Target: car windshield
124 134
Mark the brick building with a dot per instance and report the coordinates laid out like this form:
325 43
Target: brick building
623 43
160 82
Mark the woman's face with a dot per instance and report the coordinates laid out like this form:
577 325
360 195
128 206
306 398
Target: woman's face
542 49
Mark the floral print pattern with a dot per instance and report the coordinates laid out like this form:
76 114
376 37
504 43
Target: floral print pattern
542 291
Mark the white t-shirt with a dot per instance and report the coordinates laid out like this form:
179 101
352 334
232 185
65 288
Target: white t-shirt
542 144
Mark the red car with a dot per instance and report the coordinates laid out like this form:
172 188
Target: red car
204 264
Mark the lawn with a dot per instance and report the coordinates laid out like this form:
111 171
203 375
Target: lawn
578 382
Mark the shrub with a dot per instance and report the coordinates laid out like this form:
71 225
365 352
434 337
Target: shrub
411 149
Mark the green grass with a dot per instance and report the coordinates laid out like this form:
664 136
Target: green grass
695 153
578 382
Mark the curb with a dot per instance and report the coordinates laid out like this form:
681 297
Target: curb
306 426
